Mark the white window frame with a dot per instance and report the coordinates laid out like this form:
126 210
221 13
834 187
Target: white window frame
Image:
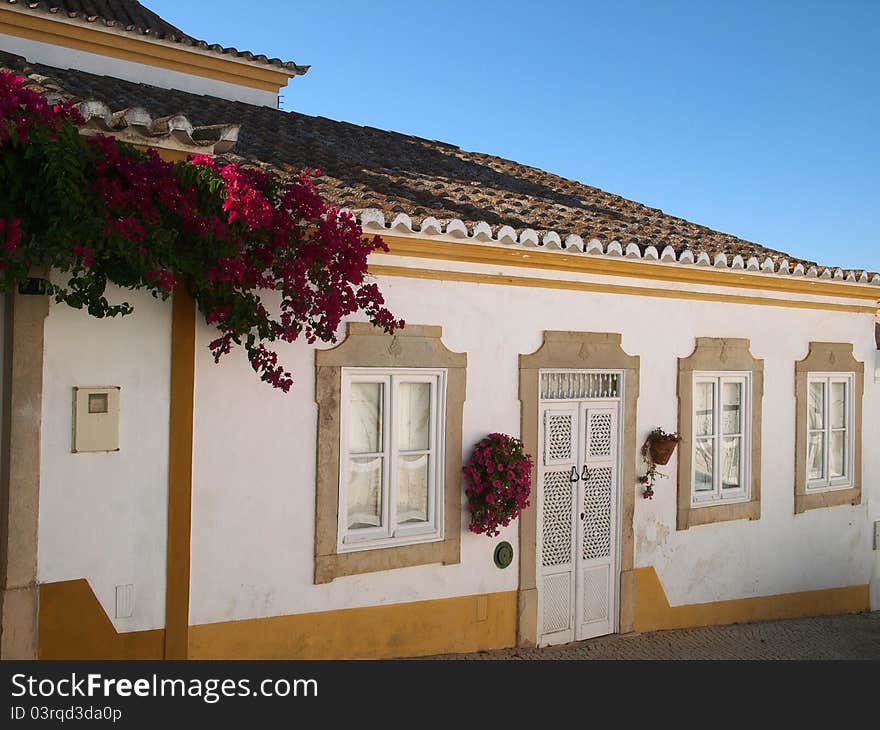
718 495
389 534
827 483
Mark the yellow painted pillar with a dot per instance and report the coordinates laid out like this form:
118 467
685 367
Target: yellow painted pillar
183 336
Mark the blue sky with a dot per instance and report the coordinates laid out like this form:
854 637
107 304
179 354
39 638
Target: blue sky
760 119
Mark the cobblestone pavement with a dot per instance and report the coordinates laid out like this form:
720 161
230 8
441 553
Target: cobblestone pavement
835 637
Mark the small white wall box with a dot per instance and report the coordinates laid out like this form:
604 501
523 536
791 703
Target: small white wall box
96 418
125 600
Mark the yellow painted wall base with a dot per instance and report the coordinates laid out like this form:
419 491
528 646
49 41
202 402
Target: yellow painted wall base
421 628
653 611
73 625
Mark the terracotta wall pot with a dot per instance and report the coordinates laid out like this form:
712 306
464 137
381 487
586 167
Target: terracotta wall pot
661 450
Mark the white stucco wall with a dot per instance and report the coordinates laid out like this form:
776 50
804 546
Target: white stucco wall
61 57
103 515
254 463
782 552
254 495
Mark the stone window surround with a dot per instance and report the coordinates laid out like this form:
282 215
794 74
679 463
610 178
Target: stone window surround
415 346
576 350
717 354
827 357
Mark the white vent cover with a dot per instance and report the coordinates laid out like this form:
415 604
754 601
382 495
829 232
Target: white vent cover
579 385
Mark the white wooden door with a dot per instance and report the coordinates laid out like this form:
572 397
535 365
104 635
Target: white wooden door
557 477
577 521
597 578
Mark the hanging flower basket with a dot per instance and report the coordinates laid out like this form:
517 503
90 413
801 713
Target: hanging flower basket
662 447
499 476
657 449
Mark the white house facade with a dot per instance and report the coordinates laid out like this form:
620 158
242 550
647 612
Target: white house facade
227 520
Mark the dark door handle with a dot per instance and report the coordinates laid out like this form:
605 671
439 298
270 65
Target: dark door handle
584 474
574 474
582 515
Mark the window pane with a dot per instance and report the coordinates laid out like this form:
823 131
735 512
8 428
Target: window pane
838 405
731 412
837 456
412 489
817 405
703 460
816 455
704 406
365 493
730 458
365 418
414 413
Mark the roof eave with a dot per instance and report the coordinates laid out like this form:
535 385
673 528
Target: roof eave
185 43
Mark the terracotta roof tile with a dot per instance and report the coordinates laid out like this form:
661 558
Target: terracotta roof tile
135 124
367 168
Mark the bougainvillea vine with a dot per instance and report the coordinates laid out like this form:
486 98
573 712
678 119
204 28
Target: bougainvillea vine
264 257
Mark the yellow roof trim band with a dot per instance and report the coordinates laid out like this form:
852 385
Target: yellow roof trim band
505 280
149 52
587 264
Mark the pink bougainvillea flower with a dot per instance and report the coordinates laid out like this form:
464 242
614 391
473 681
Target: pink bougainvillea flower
233 237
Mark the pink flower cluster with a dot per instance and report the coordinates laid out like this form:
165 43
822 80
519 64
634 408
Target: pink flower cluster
265 258
22 110
293 243
138 194
10 233
499 476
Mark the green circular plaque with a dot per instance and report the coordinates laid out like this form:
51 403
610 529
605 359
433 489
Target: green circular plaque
503 554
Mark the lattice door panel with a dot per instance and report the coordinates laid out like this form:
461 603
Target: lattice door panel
597 506
560 437
556 519
601 434
595 589
557 602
